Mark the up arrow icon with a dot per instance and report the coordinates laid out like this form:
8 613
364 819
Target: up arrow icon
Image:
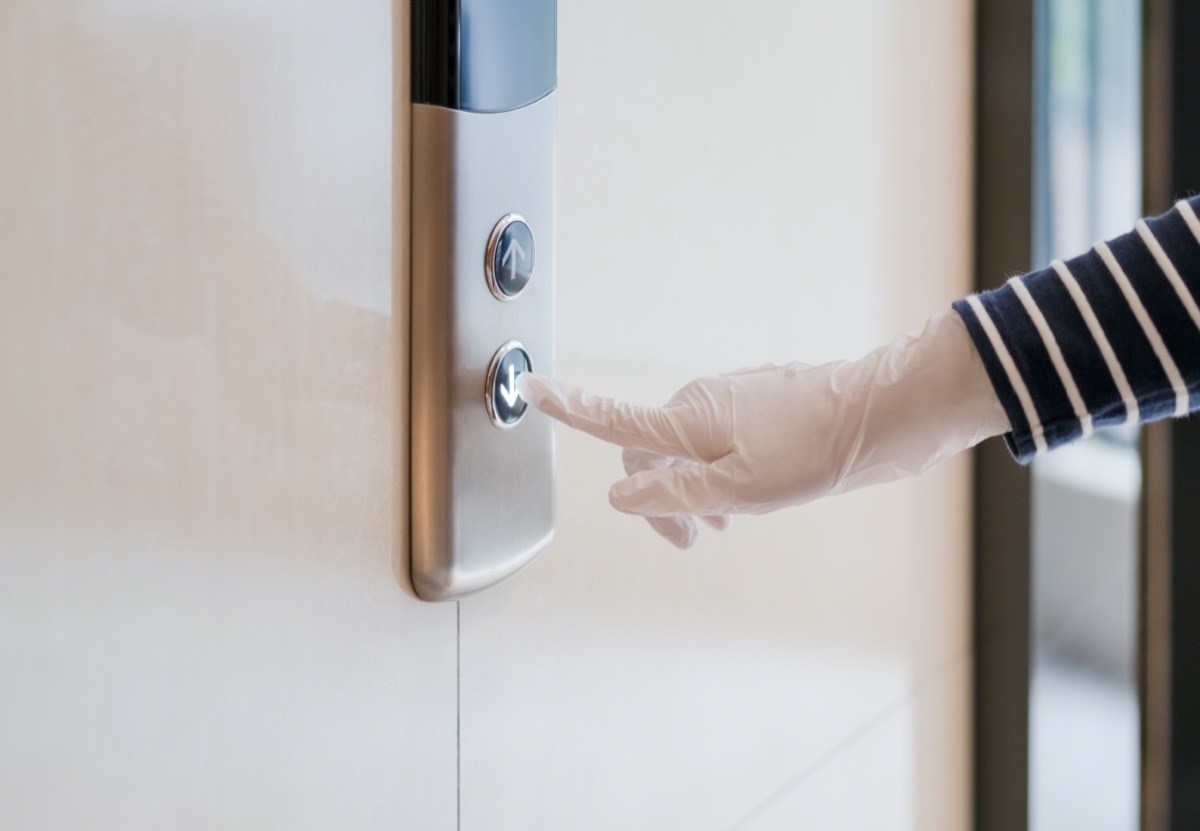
511 261
509 391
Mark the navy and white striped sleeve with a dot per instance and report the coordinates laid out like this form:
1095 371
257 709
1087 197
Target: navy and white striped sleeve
1110 337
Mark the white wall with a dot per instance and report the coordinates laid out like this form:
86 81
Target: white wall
198 619
790 182
200 448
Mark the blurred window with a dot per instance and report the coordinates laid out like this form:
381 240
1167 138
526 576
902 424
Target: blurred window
1084 765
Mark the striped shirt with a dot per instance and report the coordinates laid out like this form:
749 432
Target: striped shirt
1110 337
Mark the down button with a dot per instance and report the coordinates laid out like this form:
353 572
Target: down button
504 404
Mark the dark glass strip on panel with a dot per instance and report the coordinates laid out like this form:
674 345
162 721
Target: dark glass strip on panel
435 56
483 56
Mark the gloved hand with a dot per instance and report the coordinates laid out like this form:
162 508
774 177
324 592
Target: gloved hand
760 439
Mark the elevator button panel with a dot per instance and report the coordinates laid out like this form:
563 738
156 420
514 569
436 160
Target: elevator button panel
481 493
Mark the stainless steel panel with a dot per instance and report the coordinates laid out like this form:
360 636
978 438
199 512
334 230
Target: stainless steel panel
482 497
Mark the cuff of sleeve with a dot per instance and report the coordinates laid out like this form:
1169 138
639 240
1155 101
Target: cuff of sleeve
1020 440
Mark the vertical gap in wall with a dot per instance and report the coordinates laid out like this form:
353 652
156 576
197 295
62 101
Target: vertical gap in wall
1004 201
458 715
1157 504
1171 534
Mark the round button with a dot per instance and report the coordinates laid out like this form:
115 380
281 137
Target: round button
504 404
509 261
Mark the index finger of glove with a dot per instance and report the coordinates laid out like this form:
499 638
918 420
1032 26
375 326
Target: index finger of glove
619 422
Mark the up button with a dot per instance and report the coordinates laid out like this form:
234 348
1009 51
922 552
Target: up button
508 263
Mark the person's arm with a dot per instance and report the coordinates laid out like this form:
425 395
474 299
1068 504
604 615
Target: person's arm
1109 337
760 439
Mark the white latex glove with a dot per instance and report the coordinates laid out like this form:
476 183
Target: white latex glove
760 439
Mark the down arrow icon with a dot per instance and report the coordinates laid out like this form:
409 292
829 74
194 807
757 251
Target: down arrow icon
509 391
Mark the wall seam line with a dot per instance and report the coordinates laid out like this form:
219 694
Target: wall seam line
458 716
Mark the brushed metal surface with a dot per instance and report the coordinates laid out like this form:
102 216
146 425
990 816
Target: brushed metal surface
482 498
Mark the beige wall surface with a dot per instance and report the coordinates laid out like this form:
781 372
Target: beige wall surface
199 624
787 182
201 445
